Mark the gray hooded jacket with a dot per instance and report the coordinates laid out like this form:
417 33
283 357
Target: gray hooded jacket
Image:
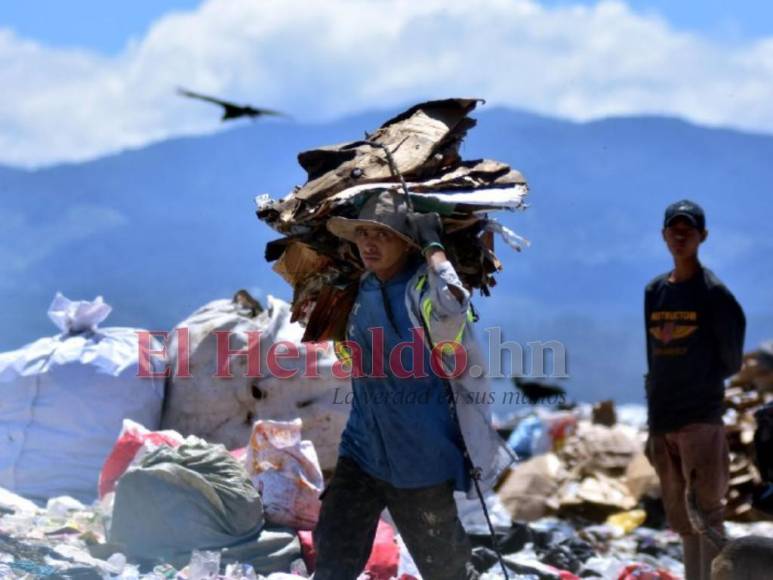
431 304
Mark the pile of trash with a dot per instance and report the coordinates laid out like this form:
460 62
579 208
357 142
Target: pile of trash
577 469
585 462
124 499
65 397
415 154
553 549
69 539
165 497
747 401
235 492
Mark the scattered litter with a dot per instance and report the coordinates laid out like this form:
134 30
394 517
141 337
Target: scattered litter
582 508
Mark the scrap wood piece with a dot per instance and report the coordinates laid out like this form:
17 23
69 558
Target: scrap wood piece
413 138
327 321
298 262
290 214
471 174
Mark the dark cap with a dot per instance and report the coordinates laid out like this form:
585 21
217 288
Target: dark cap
688 210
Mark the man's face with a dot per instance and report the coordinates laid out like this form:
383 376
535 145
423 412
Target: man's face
683 238
380 250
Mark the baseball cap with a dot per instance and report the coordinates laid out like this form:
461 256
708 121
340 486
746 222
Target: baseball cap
686 209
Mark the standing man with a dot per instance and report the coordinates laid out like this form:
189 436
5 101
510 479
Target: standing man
695 333
402 448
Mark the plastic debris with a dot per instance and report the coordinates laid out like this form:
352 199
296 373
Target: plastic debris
203 565
286 471
628 521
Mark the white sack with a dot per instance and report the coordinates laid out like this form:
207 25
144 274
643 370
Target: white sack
64 399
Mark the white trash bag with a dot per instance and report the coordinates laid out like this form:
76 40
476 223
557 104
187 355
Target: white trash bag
64 399
223 410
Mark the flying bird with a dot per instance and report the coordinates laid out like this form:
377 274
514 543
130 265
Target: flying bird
537 392
231 110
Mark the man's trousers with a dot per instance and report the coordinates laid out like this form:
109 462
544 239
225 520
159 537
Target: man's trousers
695 455
426 518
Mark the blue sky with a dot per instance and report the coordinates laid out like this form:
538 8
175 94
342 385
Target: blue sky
95 24
104 74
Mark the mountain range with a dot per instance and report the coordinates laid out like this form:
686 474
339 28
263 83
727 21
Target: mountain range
161 230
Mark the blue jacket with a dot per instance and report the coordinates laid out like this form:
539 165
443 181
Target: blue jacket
399 429
430 303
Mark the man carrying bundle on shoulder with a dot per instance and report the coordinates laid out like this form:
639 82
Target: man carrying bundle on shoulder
431 434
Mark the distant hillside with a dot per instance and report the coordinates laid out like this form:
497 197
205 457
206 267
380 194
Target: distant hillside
161 230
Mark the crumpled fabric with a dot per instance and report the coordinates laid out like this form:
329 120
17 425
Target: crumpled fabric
512 239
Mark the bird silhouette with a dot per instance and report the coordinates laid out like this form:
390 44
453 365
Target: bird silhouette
536 392
231 110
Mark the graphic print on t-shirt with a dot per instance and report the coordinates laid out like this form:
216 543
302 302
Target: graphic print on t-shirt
671 325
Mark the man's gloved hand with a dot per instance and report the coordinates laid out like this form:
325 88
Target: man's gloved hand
427 230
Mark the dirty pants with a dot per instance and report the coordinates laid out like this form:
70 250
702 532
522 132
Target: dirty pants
426 518
699 449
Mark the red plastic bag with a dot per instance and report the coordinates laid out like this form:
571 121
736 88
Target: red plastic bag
382 564
133 437
638 571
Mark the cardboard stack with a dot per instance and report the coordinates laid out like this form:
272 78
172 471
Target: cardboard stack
415 152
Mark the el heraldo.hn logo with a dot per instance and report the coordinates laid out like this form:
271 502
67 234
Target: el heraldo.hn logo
667 326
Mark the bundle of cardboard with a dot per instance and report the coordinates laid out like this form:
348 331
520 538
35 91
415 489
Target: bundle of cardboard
415 154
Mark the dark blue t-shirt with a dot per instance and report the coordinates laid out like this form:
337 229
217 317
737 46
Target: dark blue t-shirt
695 336
400 429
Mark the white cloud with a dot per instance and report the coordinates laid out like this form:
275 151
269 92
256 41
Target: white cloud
322 59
